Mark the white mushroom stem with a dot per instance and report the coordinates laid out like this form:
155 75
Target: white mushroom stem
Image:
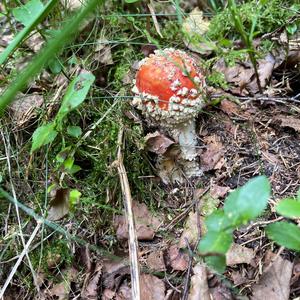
187 139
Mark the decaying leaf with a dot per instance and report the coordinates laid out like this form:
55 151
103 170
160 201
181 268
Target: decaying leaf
157 142
178 260
90 286
229 107
152 288
289 121
145 223
242 78
275 281
103 52
59 204
199 286
212 158
155 261
238 254
24 108
194 27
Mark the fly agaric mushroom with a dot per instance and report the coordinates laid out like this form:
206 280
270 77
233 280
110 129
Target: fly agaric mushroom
169 89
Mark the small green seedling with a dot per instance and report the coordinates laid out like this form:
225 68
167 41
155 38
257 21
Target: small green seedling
242 205
286 233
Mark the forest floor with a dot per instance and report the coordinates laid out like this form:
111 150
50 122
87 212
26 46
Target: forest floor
80 248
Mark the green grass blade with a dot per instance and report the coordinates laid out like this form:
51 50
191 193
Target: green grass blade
51 49
25 31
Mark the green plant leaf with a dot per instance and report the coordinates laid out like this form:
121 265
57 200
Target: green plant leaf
28 12
75 94
68 32
285 234
74 169
25 31
54 66
217 221
215 242
248 202
289 208
74 131
74 197
68 163
43 135
216 262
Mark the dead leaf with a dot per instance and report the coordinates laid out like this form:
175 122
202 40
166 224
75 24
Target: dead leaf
59 204
213 154
199 286
90 286
103 52
217 191
288 121
157 142
238 254
178 260
275 282
229 107
194 28
145 223
155 261
190 231
24 108
152 288
153 15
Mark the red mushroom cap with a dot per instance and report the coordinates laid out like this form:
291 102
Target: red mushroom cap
169 86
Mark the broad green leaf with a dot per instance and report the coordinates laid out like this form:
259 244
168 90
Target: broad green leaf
68 163
285 234
54 66
131 1
216 262
25 32
74 131
217 221
248 202
215 242
75 94
74 197
43 135
289 208
74 169
27 13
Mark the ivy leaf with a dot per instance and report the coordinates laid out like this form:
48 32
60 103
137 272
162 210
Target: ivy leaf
215 242
289 208
43 135
285 234
75 94
28 12
248 202
216 262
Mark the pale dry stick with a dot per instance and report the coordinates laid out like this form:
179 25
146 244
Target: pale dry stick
7 153
133 244
18 262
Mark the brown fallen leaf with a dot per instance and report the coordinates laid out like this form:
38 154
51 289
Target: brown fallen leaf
190 231
177 259
288 121
155 261
24 108
275 282
152 288
145 223
59 204
103 52
229 107
90 286
238 254
157 142
213 154
199 286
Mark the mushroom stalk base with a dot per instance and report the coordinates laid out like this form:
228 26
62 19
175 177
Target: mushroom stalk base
187 139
